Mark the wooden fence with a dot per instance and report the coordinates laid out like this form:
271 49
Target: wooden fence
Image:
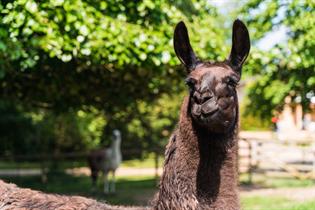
268 157
276 158
42 164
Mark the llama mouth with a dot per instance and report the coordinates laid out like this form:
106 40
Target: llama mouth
206 118
209 114
214 121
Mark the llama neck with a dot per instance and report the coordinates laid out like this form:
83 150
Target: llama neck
215 170
215 166
115 146
215 162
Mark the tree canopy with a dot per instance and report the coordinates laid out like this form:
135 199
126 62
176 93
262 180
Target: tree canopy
72 53
287 69
115 57
71 71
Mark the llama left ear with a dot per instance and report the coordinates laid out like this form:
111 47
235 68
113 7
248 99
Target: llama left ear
240 45
182 47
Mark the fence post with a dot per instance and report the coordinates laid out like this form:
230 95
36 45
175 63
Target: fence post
250 167
43 174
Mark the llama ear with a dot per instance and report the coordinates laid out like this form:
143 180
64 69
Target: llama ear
240 45
182 47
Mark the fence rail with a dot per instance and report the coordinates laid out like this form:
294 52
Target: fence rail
42 164
269 157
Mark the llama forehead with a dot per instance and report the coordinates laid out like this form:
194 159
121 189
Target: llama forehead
206 74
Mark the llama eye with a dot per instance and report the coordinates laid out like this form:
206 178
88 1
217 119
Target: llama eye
190 82
232 82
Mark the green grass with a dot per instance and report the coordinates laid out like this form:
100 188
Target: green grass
309 205
138 190
274 203
276 182
146 163
15 165
130 190
36 164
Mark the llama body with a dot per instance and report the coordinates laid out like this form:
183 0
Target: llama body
106 160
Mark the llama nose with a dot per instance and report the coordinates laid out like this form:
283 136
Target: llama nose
201 98
206 96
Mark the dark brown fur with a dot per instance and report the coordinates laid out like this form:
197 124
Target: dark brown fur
12 197
199 170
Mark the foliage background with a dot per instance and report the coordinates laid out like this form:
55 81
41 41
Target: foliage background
72 71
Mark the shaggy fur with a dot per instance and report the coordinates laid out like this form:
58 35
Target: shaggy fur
199 169
12 197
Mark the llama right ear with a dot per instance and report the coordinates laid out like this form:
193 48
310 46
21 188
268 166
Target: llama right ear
182 47
240 45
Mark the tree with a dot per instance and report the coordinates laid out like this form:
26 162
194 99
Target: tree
112 56
68 53
288 69
16 130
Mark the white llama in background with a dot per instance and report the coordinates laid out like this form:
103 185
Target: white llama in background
106 160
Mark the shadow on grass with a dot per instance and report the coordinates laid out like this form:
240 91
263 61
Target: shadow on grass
129 191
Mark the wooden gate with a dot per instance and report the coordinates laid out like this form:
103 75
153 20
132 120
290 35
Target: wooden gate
272 157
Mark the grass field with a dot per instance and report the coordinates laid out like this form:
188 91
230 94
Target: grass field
133 190
274 203
262 181
138 190
130 190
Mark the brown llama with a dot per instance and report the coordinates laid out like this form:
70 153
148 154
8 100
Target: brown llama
200 168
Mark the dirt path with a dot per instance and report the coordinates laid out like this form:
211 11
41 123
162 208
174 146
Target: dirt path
122 171
20 172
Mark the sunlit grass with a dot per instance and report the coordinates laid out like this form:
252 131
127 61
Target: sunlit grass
274 203
263 181
145 163
131 190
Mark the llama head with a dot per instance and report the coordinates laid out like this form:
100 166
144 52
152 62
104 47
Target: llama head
213 100
116 134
